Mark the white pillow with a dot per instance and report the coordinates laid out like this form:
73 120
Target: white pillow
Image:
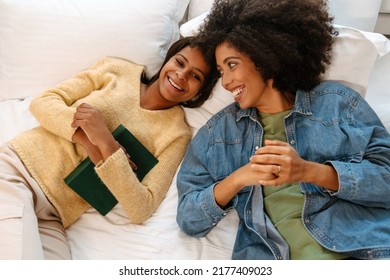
197 117
190 28
378 92
198 7
383 112
355 54
43 42
361 14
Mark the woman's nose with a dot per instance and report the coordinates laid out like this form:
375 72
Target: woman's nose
181 74
226 81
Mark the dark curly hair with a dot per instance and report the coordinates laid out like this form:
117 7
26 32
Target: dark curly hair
210 79
289 41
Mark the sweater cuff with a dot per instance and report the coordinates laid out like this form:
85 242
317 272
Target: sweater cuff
113 160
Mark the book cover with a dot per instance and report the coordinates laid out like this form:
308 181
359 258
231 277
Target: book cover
86 183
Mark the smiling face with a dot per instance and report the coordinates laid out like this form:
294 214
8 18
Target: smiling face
183 76
240 77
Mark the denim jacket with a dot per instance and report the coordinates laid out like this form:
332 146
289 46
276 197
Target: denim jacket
330 124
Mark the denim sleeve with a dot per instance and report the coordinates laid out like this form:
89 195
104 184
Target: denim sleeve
198 212
367 182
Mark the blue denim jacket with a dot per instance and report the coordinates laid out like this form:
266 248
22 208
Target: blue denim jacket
332 124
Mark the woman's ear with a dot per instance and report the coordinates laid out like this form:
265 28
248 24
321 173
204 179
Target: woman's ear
270 83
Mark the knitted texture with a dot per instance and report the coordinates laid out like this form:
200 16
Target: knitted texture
112 85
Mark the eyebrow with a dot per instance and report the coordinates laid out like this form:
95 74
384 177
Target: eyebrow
227 59
185 58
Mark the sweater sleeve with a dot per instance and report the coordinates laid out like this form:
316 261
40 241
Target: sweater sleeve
141 199
54 108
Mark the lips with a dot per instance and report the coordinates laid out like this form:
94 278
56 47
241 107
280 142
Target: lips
236 93
173 84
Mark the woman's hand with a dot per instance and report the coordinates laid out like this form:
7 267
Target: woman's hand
91 121
92 150
281 159
95 137
248 176
225 190
132 164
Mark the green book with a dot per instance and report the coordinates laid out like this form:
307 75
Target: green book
86 183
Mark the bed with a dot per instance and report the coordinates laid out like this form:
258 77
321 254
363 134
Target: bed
43 42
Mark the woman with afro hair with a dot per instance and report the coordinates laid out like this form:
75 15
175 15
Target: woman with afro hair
304 162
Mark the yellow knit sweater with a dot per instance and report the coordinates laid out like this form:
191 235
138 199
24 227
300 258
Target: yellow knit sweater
112 85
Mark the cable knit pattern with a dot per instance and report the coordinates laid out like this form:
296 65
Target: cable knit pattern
112 85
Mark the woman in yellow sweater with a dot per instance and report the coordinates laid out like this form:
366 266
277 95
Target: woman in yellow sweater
76 120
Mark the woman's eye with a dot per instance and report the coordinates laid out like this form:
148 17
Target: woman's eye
196 76
232 64
179 62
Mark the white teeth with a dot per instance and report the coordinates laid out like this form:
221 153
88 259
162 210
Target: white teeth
237 91
174 84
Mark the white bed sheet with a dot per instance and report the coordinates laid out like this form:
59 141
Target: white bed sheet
113 237
15 118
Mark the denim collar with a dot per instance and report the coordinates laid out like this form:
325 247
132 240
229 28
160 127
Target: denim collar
302 103
301 106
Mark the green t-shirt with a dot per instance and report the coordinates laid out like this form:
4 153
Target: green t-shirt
284 204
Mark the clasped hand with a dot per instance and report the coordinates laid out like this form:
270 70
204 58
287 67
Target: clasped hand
93 134
279 163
